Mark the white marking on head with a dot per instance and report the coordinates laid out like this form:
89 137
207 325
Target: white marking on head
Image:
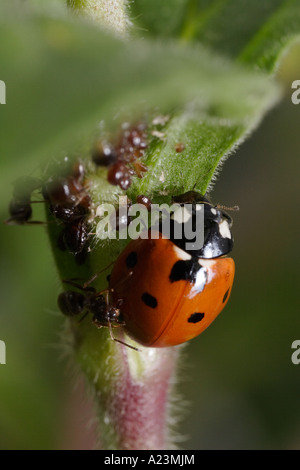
181 254
224 229
213 211
181 215
209 251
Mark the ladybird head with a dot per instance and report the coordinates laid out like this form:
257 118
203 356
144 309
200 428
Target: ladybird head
217 237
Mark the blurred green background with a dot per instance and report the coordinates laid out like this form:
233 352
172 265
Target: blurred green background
243 390
238 387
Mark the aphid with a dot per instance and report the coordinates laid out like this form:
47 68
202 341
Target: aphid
75 236
124 157
104 154
179 147
144 201
70 203
119 175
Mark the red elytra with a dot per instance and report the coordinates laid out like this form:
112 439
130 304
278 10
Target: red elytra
166 297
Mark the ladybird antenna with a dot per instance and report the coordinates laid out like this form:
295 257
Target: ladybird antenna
225 208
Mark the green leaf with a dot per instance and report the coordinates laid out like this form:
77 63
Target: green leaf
158 18
64 76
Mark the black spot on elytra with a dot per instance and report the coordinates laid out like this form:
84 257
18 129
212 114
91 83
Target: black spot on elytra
131 260
225 296
149 300
184 270
195 317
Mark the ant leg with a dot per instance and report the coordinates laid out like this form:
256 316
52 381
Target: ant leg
71 282
36 222
87 283
118 340
12 221
102 292
83 317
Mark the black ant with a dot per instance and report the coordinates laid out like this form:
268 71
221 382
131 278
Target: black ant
74 236
67 196
20 209
70 204
20 212
73 303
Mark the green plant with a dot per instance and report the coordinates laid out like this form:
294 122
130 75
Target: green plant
211 76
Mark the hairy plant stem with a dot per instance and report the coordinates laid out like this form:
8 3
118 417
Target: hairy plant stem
132 390
110 13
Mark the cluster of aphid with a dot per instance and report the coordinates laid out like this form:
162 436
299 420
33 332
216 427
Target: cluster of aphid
124 158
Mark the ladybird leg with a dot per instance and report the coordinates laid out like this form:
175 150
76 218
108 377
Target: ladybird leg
124 279
118 340
94 277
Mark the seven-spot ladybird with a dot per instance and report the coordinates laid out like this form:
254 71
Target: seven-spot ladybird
162 293
168 295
